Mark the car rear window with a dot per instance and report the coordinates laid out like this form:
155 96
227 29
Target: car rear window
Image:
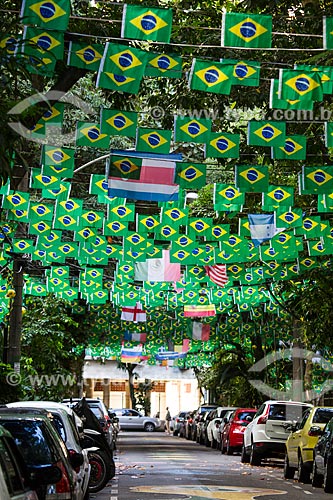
286 412
243 414
322 415
33 441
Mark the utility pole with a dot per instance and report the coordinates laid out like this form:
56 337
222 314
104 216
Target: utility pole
19 182
298 372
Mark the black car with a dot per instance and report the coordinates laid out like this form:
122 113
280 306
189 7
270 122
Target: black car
322 469
42 449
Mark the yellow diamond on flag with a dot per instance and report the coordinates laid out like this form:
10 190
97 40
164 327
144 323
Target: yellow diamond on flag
125 60
211 76
252 175
148 22
268 132
290 147
319 177
248 30
119 80
47 10
193 128
89 55
154 139
302 84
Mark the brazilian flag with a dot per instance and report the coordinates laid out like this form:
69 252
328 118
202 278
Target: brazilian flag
246 30
89 134
209 76
115 122
146 23
47 14
84 55
166 65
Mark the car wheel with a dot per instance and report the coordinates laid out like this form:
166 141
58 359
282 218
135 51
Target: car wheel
288 472
149 427
100 471
230 450
255 459
328 477
317 479
244 456
222 448
175 433
303 472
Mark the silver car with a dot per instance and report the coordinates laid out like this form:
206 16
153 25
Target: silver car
134 420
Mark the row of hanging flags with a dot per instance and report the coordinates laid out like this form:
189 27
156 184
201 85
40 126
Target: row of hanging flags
120 67
155 24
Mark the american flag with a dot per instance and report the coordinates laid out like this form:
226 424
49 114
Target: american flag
217 273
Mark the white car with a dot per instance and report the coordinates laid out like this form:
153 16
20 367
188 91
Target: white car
267 434
216 421
66 423
133 420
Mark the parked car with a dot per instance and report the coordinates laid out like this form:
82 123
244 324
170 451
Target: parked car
188 425
322 469
217 431
267 434
177 423
197 418
42 449
99 409
233 430
66 423
301 442
215 421
134 420
15 480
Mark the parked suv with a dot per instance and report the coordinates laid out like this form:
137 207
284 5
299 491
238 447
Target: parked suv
177 423
267 434
198 416
133 420
214 424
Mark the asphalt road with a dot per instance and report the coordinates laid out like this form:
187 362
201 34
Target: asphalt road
157 466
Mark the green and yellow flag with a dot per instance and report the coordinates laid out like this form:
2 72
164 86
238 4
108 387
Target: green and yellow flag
48 14
85 56
191 175
275 102
153 140
246 30
146 23
328 33
222 145
187 129
294 148
317 179
299 84
115 122
89 134
266 133
252 179
209 76
245 73
169 65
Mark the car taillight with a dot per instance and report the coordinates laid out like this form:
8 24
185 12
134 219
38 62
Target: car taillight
190 420
177 420
263 419
73 452
63 486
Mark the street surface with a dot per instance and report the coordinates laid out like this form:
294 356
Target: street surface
156 466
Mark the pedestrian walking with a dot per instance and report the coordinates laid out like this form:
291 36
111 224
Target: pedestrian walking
167 421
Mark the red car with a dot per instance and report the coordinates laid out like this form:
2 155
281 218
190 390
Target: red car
232 435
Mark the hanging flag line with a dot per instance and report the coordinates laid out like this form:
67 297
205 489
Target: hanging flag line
201 46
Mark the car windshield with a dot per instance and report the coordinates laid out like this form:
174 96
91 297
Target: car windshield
282 411
32 440
322 415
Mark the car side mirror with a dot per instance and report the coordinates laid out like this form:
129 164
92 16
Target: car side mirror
40 475
225 420
248 418
217 423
